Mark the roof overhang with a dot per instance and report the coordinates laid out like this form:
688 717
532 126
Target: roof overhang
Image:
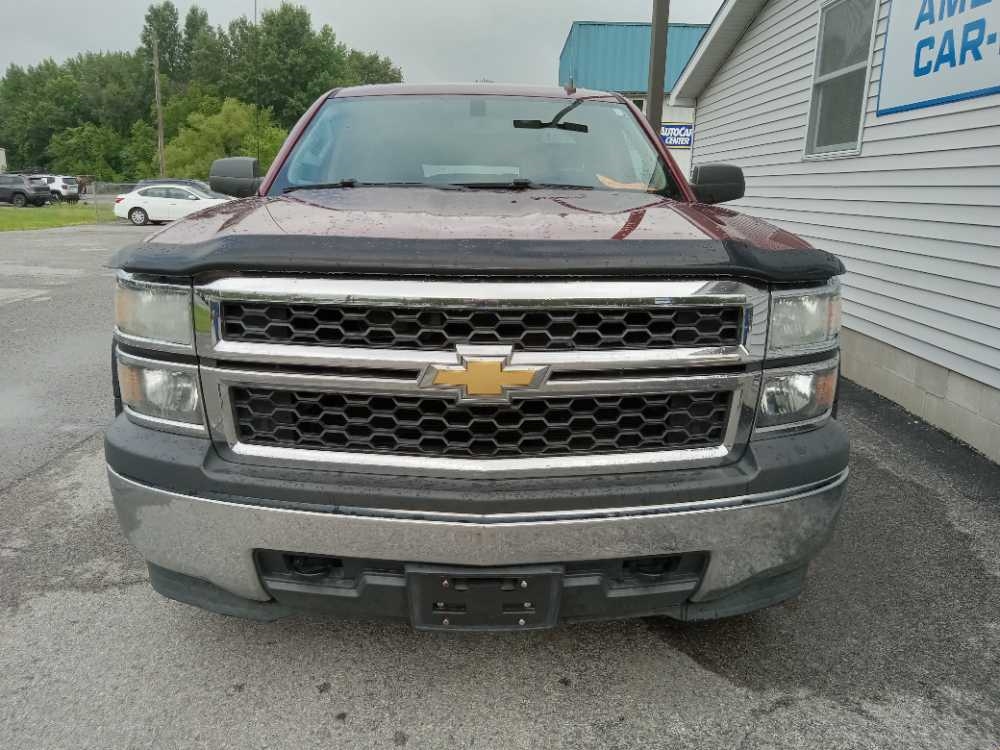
727 28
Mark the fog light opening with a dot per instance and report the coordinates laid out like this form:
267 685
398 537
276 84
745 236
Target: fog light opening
310 566
651 569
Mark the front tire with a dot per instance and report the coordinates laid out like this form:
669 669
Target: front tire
138 217
20 200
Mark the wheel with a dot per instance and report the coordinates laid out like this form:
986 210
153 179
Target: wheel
56 198
20 200
138 217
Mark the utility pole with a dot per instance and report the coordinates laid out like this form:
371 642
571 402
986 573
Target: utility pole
657 63
256 81
159 108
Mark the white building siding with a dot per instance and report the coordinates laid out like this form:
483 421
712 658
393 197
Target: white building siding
915 217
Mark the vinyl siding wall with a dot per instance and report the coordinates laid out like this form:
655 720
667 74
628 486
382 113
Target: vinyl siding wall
915 217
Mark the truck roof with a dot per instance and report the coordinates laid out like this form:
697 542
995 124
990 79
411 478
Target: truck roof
469 89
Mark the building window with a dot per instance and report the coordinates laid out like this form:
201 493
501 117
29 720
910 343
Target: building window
840 77
640 103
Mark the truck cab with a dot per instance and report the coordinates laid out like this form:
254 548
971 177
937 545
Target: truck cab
476 358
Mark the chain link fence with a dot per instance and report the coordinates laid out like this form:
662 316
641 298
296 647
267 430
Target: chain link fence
99 196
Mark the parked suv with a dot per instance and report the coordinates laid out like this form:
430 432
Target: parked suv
499 369
21 190
62 187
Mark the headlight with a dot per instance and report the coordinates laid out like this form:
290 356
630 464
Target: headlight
804 321
155 312
797 395
160 390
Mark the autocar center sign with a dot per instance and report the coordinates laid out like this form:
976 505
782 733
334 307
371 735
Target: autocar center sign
677 134
939 51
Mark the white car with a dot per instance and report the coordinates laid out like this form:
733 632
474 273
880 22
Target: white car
157 203
62 187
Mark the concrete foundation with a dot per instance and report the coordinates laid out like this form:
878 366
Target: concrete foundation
963 407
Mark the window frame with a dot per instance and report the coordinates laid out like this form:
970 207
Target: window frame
817 79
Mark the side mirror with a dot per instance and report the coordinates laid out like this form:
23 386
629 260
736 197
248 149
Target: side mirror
238 176
717 183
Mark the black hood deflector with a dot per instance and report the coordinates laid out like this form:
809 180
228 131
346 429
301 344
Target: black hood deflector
478 258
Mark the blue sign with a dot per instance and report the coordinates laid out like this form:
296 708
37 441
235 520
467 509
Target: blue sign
939 51
677 134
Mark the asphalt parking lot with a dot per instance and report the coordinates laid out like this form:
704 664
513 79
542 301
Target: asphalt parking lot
895 643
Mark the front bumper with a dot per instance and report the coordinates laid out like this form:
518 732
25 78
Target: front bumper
205 524
203 550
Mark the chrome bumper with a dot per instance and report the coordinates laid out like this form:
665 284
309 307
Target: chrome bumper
212 540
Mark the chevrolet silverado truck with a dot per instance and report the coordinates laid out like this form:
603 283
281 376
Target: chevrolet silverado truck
476 358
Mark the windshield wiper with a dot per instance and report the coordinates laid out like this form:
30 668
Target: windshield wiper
575 127
352 183
349 183
520 184
556 122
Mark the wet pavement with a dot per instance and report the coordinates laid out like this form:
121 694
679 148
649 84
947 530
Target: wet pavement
894 644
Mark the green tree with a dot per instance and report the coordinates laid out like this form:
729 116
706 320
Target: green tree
115 88
197 98
35 103
362 69
237 129
295 63
239 42
195 24
139 153
284 63
88 149
162 22
208 61
280 66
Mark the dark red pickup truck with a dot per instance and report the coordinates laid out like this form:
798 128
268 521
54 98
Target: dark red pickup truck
476 358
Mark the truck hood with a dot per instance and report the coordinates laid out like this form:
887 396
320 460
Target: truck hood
418 213
491 232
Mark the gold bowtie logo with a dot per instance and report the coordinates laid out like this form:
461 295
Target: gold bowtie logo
483 378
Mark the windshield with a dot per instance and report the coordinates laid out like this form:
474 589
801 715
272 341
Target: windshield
478 141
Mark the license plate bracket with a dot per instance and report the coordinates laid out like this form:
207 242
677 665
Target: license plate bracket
522 598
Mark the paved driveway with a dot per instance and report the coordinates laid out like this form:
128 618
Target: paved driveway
895 643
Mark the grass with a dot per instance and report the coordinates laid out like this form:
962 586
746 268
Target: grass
57 215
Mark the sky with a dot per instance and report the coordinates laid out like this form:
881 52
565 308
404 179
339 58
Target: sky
515 41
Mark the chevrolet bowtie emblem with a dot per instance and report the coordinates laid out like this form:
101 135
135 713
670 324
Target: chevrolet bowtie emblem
486 378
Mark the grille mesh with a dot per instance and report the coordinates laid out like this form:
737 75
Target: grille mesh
525 329
412 425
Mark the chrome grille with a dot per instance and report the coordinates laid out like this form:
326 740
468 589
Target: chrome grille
380 423
344 373
525 329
